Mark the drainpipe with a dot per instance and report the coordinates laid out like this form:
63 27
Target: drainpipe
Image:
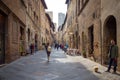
77 26
101 41
101 34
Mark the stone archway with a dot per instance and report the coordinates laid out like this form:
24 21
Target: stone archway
109 32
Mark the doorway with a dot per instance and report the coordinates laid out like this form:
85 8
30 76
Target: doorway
22 41
28 35
109 33
91 40
2 38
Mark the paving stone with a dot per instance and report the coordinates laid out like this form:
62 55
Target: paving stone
60 67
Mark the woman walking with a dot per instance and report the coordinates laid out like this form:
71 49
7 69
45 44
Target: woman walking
48 50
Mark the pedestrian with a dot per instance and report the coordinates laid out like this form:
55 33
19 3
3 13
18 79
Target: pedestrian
32 48
113 55
55 45
65 47
58 46
48 51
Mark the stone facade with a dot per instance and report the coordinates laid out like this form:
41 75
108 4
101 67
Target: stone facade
96 22
48 29
33 27
71 22
45 30
22 22
110 23
89 27
15 15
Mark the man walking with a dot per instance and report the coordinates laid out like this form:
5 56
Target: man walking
113 55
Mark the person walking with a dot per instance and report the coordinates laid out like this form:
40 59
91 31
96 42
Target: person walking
32 48
65 47
113 55
58 46
48 50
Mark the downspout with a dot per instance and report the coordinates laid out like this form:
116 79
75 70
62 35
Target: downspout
101 41
101 34
77 25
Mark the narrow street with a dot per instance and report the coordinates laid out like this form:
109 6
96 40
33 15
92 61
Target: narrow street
60 67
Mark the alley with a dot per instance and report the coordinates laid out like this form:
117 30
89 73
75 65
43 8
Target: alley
60 67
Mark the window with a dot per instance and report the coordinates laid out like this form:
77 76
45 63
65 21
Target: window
14 31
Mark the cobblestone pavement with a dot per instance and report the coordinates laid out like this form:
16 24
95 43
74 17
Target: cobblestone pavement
60 67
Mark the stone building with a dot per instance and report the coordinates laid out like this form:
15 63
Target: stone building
12 29
71 22
22 23
89 27
61 18
50 13
43 23
32 23
92 27
110 26
59 36
84 26
50 29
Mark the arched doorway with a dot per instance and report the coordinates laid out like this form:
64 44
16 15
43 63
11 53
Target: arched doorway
91 40
109 32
